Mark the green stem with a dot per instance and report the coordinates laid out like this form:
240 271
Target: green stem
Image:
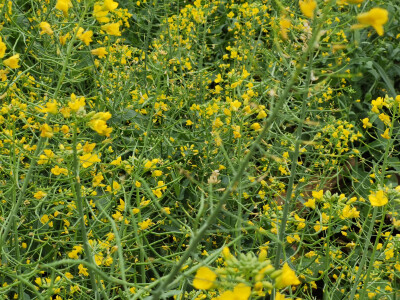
79 203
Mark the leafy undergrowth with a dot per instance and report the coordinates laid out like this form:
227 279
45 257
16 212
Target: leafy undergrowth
199 149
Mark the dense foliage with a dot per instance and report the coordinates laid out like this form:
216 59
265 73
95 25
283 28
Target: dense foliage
199 149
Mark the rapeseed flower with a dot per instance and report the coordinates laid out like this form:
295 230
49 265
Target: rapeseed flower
2 48
46 131
204 279
386 135
12 62
76 104
88 159
376 18
240 292
51 107
307 7
110 5
111 29
286 278
100 52
64 5
46 28
85 37
378 198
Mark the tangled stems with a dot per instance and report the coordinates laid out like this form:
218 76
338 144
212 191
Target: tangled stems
232 187
389 144
79 203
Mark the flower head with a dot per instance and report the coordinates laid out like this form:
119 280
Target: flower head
12 62
307 7
111 29
64 5
376 18
88 159
2 48
288 277
204 279
378 198
46 28
100 52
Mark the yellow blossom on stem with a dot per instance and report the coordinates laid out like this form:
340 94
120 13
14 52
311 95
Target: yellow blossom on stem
286 278
57 171
2 48
307 7
39 195
88 159
85 37
83 270
110 5
100 52
12 62
100 14
284 25
51 107
64 5
204 279
145 224
240 292
366 123
386 135
111 29
376 17
46 131
378 198
76 104
46 28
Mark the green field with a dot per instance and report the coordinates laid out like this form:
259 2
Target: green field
176 149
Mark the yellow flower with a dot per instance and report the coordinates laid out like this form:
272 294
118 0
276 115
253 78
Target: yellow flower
279 296
204 279
3 75
46 28
85 37
378 198
12 62
88 159
100 127
376 18
100 14
235 105
63 38
111 29
83 270
76 104
366 123
386 135
115 187
310 203
39 195
57 171
318 195
110 5
145 224
64 5
284 25
288 277
2 48
240 292
307 7
100 52
46 131
51 107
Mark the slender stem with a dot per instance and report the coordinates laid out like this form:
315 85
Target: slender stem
79 204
